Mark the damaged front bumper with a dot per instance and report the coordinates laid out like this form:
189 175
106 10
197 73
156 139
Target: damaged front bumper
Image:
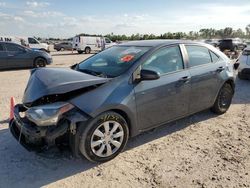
37 138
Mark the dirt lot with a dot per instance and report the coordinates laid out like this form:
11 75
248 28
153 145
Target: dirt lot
203 150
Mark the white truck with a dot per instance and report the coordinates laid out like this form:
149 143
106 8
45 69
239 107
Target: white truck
88 44
30 42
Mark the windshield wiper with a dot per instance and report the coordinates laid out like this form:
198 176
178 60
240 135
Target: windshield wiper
94 73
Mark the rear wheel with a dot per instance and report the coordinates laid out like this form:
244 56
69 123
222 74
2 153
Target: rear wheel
62 49
104 137
240 76
39 62
223 100
87 50
80 52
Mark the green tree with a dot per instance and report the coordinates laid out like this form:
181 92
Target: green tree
248 30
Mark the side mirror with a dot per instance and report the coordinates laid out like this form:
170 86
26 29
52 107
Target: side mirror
73 66
149 75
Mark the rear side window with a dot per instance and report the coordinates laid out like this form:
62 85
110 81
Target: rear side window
165 60
1 48
214 57
198 55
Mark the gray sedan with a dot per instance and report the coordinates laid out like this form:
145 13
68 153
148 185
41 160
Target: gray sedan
98 104
244 64
63 46
16 56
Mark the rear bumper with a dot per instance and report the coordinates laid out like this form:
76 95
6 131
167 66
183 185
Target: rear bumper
245 72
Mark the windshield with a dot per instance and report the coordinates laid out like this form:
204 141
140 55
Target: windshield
112 62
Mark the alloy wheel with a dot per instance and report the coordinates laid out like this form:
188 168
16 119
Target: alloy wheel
107 138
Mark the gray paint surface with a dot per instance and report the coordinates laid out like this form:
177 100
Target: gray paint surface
147 104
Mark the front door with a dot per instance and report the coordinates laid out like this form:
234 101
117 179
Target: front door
167 98
3 57
17 56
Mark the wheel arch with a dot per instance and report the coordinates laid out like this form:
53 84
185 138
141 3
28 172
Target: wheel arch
130 119
231 82
228 81
125 116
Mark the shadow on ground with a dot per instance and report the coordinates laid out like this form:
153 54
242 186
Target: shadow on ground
19 167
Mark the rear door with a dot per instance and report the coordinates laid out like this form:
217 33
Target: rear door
17 56
3 56
167 98
205 69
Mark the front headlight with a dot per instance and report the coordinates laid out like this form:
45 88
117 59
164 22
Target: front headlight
49 114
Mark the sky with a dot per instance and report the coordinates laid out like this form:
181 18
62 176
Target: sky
62 19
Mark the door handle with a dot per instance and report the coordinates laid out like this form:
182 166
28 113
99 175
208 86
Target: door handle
10 55
185 79
219 69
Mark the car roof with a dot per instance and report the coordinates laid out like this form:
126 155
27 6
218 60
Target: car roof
7 42
155 43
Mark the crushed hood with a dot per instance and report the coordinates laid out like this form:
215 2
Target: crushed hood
51 81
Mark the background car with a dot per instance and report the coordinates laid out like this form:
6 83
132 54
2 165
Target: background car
232 44
13 55
63 46
213 42
119 93
244 64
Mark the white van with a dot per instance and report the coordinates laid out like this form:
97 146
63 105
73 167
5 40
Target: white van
30 42
88 44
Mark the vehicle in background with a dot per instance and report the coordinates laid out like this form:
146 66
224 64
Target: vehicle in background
213 42
232 44
63 46
13 55
29 42
244 64
89 44
95 106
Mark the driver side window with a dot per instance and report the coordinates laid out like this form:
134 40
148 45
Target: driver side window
165 60
32 41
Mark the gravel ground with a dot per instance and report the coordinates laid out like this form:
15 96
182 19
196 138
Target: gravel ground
202 150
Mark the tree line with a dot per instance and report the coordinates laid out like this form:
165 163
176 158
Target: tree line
206 33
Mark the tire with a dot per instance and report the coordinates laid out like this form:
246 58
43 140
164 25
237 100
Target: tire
240 76
108 131
39 62
87 50
223 100
80 52
62 49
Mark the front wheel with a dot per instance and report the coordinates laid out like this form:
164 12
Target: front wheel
87 50
223 100
39 62
104 137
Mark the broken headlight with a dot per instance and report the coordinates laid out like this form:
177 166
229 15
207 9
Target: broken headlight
49 114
